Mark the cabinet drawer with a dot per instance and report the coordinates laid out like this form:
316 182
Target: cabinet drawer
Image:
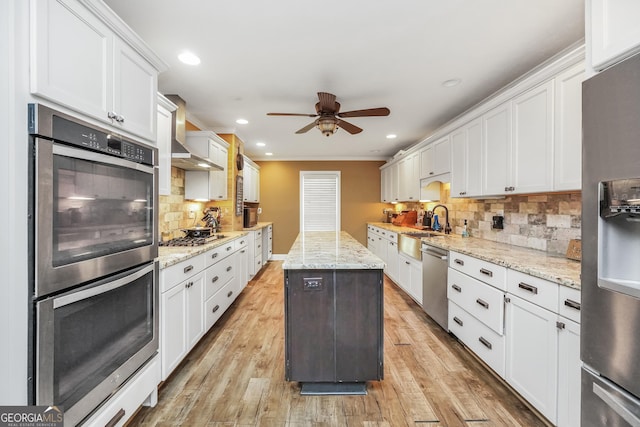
480 300
219 252
171 276
218 275
217 304
569 303
241 242
533 289
483 341
493 274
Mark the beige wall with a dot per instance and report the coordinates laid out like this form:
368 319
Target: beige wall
280 197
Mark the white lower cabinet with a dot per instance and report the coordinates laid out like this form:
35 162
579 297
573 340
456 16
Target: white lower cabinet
532 354
194 294
393 260
569 373
410 276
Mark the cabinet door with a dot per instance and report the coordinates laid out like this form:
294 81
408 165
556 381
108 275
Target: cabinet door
384 185
496 150
427 161
442 151
532 354
195 309
358 335
310 325
569 371
64 33
459 163
219 178
173 329
416 280
392 260
568 129
394 180
532 144
163 142
404 273
614 30
409 189
134 91
474 158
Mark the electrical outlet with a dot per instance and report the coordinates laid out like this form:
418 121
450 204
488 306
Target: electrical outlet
192 214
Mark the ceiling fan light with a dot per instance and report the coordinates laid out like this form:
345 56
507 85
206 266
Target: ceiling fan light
327 126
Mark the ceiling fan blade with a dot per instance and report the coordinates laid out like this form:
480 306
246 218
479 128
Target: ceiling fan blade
291 114
327 102
307 128
383 111
352 129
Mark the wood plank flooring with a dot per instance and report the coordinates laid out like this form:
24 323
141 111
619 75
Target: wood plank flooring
235 375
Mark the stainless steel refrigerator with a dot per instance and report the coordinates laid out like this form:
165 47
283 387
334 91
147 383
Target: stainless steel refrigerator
610 323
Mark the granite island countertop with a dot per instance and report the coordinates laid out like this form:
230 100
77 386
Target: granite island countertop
554 268
171 255
334 250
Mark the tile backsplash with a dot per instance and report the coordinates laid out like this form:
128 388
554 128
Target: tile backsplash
173 213
546 222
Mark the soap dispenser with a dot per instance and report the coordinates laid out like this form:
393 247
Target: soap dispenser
465 232
436 225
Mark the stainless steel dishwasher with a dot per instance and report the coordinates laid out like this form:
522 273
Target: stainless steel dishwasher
434 283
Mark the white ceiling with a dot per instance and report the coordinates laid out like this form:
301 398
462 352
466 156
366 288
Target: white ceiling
259 56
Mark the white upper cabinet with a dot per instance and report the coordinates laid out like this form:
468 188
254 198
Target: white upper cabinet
532 144
251 181
613 32
389 185
113 83
207 185
466 162
435 159
496 150
568 129
163 142
409 172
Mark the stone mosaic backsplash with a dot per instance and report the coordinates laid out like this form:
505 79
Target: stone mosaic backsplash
546 222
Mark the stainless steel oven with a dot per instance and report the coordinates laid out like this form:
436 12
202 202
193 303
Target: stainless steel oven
91 339
94 201
93 272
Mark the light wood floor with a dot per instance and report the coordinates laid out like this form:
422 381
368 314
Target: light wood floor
235 375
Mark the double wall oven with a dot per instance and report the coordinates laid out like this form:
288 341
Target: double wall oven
93 253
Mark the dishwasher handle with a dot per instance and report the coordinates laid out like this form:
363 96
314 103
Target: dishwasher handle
436 254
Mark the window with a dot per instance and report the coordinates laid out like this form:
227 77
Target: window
319 201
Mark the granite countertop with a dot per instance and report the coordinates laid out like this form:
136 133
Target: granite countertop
315 250
258 226
171 255
554 268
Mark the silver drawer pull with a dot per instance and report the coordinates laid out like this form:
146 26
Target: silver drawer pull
188 268
216 308
215 279
456 288
527 287
485 343
117 417
229 294
458 321
229 268
486 272
458 261
572 304
214 255
483 303
229 248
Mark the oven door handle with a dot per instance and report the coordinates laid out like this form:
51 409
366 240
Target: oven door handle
99 289
63 150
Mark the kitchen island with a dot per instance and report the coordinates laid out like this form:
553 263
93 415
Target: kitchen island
333 314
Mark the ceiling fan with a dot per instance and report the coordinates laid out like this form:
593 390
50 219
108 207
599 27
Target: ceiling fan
329 116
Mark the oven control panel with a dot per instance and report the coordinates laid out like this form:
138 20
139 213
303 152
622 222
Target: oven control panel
77 134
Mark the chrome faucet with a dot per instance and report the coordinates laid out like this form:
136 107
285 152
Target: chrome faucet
447 227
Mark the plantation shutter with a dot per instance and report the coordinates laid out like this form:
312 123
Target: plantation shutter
319 201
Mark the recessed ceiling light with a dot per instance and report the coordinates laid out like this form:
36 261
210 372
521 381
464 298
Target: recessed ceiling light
451 82
268 154
189 58
242 121
374 151
392 136
260 144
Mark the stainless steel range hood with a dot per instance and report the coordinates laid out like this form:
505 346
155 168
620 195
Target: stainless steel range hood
181 156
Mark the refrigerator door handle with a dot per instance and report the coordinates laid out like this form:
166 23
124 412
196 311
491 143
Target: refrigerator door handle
617 405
